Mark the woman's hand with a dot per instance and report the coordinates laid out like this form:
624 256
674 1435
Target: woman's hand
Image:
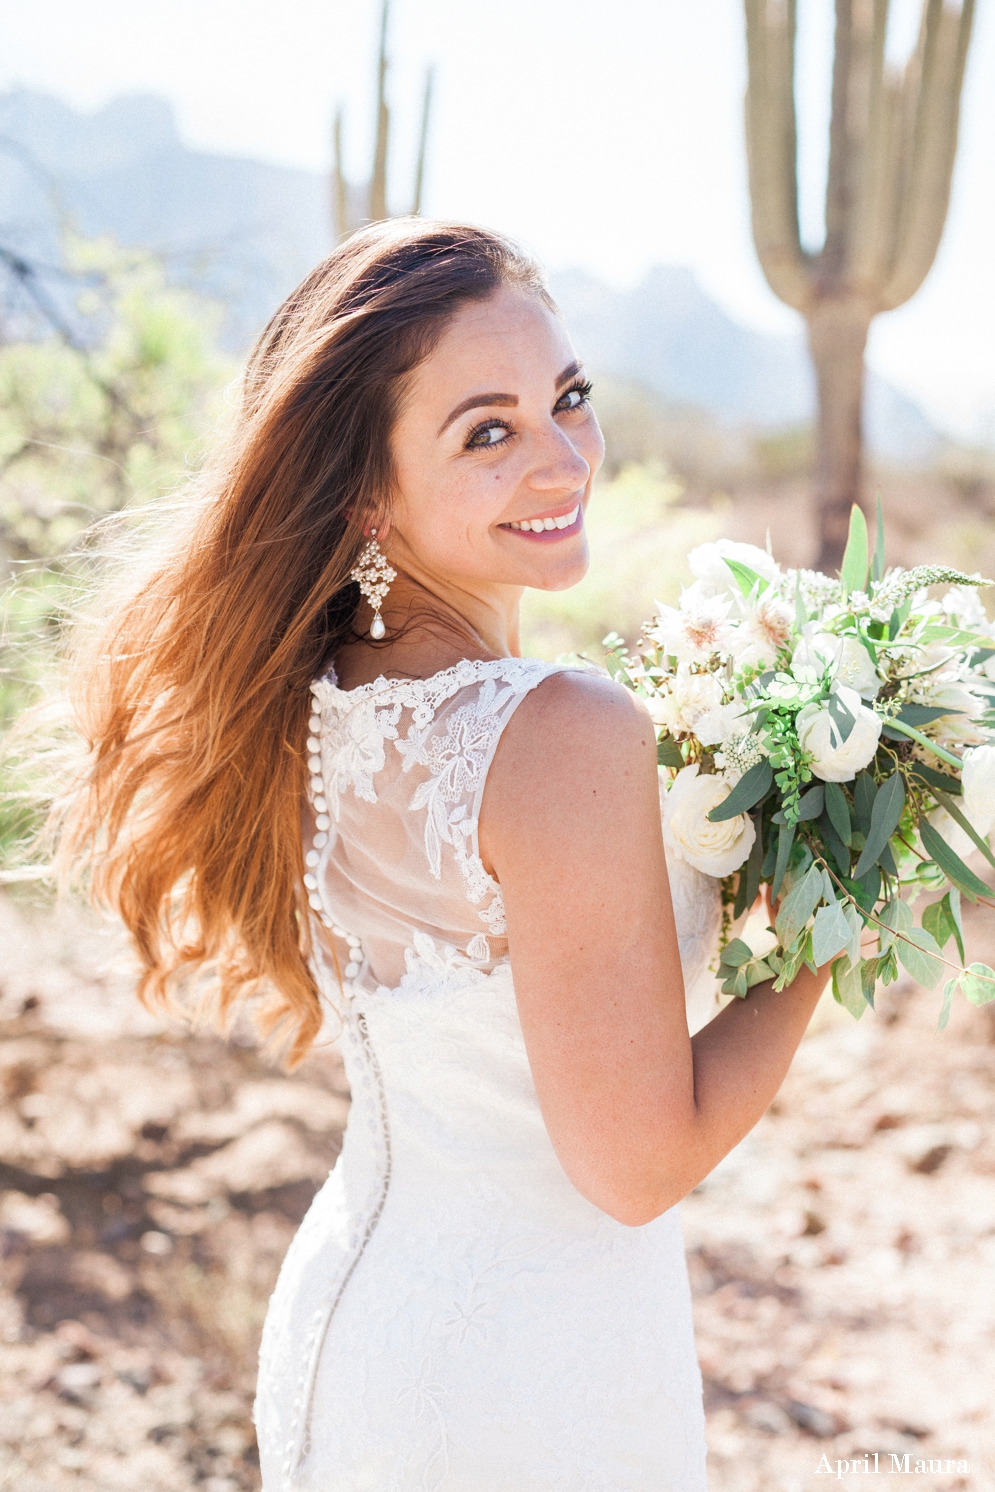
637 1112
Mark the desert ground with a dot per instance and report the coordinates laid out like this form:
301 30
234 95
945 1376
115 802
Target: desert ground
842 1258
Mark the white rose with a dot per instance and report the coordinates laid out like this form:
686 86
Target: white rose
833 759
978 778
714 576
716 849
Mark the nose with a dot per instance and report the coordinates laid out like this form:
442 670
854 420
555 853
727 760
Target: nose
559 466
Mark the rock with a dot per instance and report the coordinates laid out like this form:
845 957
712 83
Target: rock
37 1219
271 1155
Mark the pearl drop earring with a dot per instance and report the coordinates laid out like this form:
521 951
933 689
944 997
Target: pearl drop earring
373 575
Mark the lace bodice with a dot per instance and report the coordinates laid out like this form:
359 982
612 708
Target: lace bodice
398 775
400 772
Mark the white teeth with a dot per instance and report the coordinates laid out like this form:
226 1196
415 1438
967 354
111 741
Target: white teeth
544 525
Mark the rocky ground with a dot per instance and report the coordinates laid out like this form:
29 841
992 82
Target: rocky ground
843 1258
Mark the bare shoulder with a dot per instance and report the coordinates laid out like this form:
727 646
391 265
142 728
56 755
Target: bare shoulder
576 739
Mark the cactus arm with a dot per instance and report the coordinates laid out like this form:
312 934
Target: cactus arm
422 143
771 147
870 237
341 226
378 180
936 75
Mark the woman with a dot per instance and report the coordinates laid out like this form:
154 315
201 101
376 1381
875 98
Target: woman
490 1291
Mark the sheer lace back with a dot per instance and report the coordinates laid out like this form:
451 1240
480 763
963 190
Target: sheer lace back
398 775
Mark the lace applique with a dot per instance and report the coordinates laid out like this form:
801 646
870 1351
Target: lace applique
456 762
353 752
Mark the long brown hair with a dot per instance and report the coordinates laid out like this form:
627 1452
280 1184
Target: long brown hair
193 696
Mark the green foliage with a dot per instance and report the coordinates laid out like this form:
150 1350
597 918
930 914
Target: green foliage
87 429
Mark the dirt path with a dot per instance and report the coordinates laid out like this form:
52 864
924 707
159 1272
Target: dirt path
843 1258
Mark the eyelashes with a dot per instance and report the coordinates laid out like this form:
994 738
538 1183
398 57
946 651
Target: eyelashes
479 438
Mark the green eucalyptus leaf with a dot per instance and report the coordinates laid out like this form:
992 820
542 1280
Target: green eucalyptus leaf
885 814
785 839
950 863
864 793
937 921
746 578
838 811
735 953
953 897
948 994
847 988
919 954
668 753
853 572
811 803
978 984
877 564
830 934
750 788
798 906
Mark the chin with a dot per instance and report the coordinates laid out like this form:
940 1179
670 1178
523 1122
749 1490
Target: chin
562 577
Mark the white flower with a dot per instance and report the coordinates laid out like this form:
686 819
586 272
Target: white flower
717 725
715 849
978 779
714 577
763 632
959 727
692 697
962 605
833 759
696 629
850 662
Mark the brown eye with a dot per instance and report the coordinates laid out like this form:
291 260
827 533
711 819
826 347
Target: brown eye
491 433
574 397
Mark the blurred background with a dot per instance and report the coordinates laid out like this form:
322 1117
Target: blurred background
771 228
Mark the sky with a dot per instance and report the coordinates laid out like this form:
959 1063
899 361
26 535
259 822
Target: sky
604 135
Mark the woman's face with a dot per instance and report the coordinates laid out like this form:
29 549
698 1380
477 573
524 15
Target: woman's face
495 450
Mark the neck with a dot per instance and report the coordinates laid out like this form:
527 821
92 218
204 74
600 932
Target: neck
431 625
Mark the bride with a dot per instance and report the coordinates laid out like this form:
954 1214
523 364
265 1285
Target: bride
489 1293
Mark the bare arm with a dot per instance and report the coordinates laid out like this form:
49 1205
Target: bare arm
637 1111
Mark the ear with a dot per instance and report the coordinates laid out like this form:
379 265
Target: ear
380 526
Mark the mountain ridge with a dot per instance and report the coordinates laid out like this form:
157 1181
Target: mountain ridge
245 232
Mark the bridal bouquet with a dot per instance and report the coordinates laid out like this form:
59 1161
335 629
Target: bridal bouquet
835 740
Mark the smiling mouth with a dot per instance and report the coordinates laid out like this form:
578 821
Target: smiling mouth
563 523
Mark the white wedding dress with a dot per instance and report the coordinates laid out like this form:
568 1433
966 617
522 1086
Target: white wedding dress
453 1316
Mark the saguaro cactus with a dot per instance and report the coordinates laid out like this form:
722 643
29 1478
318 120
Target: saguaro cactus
892 144
353 205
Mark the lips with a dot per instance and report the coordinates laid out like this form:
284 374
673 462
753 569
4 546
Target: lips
548 527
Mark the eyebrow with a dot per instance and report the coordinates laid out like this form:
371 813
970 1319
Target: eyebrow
504 401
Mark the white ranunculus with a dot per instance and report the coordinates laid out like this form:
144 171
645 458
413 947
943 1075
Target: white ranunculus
833 759
714 576
850 662
948 828
716 849
978 778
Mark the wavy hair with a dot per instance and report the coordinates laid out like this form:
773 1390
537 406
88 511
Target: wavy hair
192 695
